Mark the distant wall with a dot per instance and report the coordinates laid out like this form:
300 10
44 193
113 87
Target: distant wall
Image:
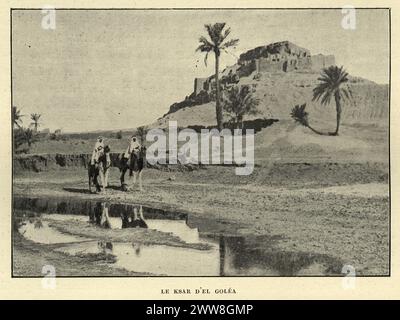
46 162
286 64
281 56
320 61
246 69
256 124
199 85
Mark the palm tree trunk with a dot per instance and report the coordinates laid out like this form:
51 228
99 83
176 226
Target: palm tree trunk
240 122
218 108
338 114
318 132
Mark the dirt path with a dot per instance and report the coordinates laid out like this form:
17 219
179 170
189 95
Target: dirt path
346 221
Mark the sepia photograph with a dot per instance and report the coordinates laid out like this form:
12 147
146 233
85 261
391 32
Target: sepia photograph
200 142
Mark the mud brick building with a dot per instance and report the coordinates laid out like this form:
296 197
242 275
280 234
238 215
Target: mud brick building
282 56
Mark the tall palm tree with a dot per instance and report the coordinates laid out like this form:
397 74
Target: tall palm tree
331 85
216 44
35 120
16 117
240 102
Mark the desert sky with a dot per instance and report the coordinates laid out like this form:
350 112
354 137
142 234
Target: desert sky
113 69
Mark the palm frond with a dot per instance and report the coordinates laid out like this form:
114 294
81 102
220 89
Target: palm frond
300 115
346 93
16 116
215 32
239 102
218 36
225 34
330 83
35 116
230 43
205 59
205 45
326 98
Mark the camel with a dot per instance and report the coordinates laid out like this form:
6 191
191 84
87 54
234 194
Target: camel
101 169
135 164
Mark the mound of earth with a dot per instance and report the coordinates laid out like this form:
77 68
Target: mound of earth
279 92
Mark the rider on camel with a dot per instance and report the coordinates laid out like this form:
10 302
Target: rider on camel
98 148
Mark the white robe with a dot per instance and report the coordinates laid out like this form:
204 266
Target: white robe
134 146
96 152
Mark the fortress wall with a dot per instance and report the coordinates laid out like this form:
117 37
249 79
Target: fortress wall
199 84
246 69
304 63
266 65
320 61
283 63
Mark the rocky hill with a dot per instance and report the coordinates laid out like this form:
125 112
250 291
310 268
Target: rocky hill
279 88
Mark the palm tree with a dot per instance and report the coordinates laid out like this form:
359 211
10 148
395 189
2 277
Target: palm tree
141 132
16 117
35 120
240 102
19 138
30 136
300 115
216 44
331 85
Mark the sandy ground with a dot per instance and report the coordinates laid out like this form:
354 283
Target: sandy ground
346 217
311 194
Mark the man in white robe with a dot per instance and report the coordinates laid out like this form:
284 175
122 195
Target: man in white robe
134 146
98 148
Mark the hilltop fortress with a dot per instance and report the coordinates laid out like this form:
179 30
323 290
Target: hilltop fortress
280 75
276 57
284 56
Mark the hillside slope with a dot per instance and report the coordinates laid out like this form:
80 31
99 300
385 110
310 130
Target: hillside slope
280 91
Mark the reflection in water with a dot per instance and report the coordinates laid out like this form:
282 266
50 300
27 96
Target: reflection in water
227 256
155 259
105 246
100 215
38 224
247 256
231 257
84 207
137 221
40 232
178 228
